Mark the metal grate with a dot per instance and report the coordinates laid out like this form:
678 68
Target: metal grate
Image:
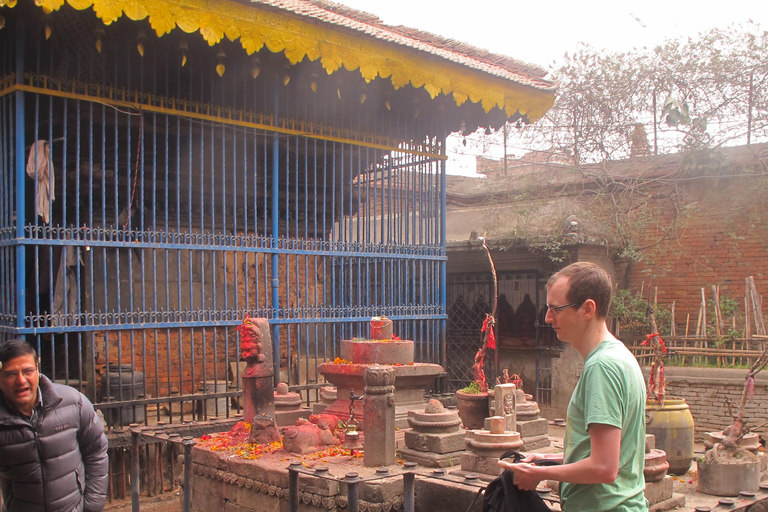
184 201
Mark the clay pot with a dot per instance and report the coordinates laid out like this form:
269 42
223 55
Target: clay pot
672 424
473 409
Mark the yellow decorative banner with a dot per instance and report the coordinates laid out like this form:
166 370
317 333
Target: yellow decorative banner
299 39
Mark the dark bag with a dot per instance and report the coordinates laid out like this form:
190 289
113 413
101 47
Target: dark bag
502 495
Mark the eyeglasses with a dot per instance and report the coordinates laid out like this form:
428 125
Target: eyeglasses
11 375
556 309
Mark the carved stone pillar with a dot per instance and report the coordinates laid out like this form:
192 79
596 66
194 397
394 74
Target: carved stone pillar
379 416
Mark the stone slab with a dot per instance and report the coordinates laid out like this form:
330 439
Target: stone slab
505 404
479 464
535 443
537 427
445 496
286 418
676 501
656 492
435 443
431 460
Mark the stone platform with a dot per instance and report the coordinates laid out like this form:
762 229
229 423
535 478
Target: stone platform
224 482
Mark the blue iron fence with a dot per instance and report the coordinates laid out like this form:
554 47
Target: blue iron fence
149 204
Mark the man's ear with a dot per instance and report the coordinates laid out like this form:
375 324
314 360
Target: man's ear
590 308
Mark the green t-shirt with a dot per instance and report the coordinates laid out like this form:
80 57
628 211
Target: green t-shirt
611 391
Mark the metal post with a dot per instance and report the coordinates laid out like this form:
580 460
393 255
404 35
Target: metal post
135 468
293 486
188 443
409 478
353 491
275 204
21 270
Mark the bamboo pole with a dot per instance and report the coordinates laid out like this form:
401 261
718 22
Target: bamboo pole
672 328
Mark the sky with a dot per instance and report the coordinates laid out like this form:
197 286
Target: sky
540 32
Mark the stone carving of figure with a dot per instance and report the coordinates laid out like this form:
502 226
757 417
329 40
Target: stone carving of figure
509 403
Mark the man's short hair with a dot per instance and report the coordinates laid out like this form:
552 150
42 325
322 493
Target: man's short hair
14 348
587 281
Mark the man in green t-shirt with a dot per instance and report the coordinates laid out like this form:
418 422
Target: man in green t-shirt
602 467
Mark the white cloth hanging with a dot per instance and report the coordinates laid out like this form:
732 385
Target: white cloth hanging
39 162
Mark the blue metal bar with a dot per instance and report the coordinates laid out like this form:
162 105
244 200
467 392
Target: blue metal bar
21 270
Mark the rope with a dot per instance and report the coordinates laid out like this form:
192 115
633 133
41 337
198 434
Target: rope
136 171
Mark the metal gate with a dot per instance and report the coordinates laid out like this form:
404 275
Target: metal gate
149 204
469 299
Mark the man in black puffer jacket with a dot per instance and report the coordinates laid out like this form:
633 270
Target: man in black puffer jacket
53 451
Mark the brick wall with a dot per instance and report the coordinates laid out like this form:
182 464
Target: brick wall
720 239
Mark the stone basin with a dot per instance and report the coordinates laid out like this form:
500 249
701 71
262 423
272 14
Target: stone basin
410 381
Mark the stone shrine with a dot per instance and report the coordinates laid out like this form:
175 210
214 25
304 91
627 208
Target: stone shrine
288 407
484 447
435 438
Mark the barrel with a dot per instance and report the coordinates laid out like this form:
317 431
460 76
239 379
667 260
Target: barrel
672 424
122 383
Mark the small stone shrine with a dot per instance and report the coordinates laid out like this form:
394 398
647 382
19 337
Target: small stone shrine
288 407
658 485
532 428
484 447
435 438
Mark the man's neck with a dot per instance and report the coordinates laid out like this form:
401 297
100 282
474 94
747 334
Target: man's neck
596 333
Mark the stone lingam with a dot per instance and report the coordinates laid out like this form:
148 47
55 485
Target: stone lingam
347 372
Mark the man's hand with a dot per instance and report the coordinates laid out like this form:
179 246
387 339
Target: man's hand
527 476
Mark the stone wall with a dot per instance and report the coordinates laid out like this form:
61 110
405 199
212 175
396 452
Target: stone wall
705 390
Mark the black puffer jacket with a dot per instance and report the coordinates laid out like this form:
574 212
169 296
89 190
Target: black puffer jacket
63 466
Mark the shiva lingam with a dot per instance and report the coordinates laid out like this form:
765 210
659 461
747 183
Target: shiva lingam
358 354
351 434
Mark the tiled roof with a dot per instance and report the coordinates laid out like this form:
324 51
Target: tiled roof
451 50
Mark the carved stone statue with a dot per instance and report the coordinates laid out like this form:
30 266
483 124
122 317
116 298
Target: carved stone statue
258 379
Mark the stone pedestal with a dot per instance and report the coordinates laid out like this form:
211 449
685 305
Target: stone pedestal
288 407
484 447
379 414
435 438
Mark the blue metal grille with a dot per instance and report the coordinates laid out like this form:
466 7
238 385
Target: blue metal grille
181 201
